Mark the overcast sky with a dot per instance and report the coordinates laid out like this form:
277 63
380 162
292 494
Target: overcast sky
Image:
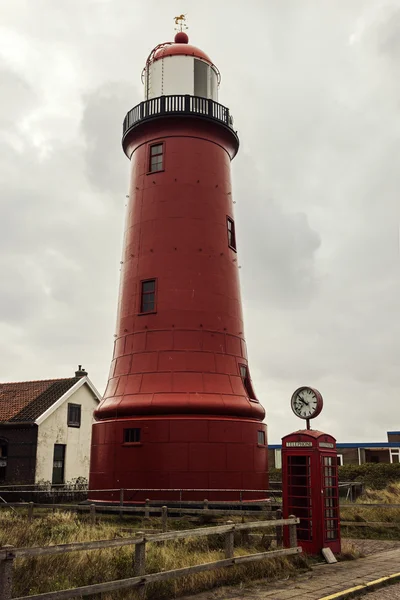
314 88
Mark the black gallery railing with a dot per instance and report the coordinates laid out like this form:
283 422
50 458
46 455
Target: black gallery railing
177 105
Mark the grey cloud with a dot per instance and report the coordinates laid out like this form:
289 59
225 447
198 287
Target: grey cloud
104 111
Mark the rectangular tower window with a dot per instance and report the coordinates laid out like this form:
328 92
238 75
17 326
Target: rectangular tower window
261 438
131 436
156 158
231 233
244 373
148 296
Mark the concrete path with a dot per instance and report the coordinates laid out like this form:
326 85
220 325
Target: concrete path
323 582
391 593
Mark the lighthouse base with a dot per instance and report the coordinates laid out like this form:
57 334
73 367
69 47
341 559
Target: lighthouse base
178 458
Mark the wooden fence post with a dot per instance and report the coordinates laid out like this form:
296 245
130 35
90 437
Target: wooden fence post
292 534
30 511
6 573
279 529
164 519
244 535
229 541
205 504
147 509
121 502
139 566
93 514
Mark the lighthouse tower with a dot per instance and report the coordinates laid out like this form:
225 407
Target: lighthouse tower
180 411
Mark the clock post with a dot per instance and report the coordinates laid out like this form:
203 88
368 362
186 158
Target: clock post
310 489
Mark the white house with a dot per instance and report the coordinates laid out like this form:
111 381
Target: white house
46 429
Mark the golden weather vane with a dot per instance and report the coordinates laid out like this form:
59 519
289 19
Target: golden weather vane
180 23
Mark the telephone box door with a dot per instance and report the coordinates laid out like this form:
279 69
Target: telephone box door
298 500
330 494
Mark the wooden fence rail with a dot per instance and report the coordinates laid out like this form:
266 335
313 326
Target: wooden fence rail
9 554
389 524
148 509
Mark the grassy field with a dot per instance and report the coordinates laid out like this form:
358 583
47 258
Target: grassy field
39 575
388 496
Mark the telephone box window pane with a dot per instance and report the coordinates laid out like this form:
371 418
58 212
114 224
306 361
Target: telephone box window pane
231 233
131 435
156 158
148 296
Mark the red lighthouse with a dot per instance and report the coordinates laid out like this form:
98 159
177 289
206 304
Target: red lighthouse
179 411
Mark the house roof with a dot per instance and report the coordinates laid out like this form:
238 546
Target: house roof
27 400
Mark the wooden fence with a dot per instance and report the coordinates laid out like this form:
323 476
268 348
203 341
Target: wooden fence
150 508
8 555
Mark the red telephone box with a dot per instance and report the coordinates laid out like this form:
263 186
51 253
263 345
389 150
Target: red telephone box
310 488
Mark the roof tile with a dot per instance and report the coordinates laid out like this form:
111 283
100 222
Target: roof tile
27 400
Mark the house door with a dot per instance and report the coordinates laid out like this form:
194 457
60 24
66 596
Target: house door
58 463
3 459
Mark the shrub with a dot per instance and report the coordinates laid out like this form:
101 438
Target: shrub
372 475
275 474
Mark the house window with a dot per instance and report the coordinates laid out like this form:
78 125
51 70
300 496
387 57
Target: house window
261 438
231 233
74 415
394 455
131 436
244 373
156 158
58 463
148 296
3 459
340 460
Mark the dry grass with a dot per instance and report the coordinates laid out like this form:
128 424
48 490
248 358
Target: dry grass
39 575
349 551
389 495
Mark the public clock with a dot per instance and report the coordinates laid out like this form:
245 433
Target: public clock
306 402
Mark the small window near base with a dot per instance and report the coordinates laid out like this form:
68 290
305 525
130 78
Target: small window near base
261 438
131 436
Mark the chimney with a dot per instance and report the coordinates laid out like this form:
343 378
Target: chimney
80 372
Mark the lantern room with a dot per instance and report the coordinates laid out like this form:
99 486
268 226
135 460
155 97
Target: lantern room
180 68
310 488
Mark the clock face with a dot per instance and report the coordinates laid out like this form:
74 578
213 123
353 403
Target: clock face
306 403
